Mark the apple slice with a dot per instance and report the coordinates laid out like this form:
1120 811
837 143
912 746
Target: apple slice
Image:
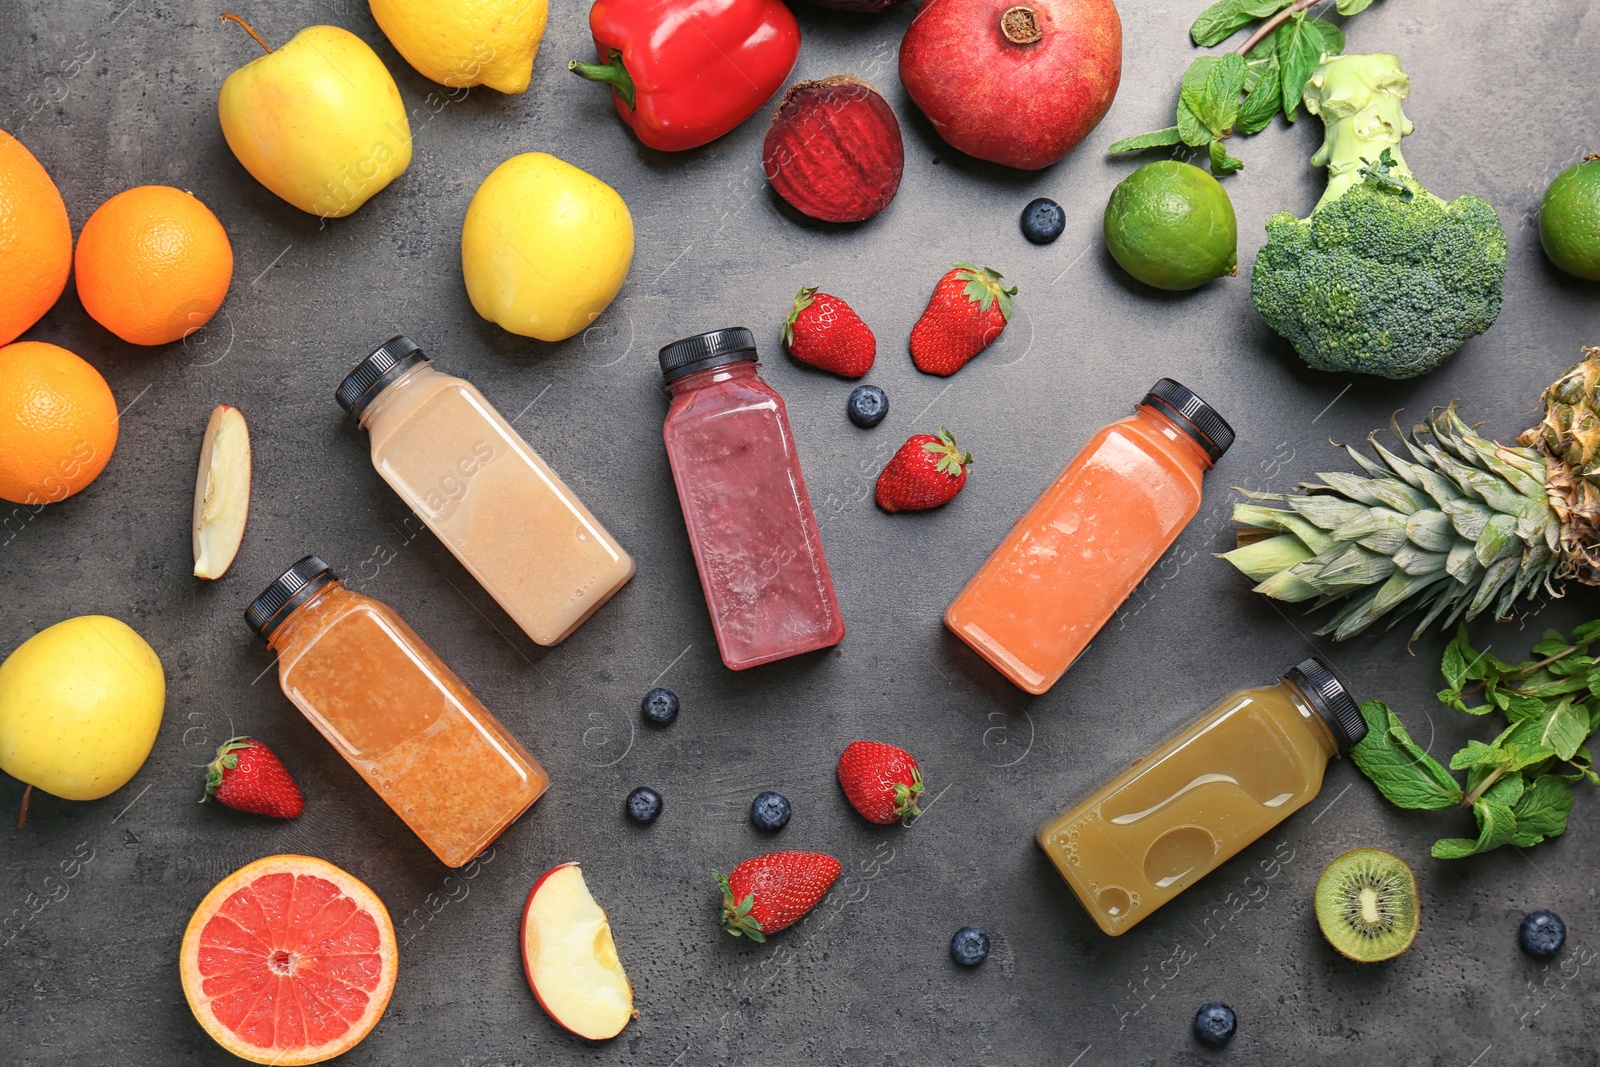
570 958
221 492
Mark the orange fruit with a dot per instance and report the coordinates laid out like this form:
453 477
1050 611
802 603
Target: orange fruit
58 423
35 240
153 264
289 960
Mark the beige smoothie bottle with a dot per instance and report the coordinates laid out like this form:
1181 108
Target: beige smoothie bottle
489 497
1252 760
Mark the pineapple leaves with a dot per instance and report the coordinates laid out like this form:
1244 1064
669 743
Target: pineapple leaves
1519 785
1270 68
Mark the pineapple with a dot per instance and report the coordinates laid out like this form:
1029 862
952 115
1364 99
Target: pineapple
1455 526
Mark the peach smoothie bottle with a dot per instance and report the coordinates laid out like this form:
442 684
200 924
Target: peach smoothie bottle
509 518
744 498
1090 538
1249 762
395 712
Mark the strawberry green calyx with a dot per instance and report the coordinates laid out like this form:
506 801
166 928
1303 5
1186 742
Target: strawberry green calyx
983 288
953 460
227 759
736 917
802 300
906 797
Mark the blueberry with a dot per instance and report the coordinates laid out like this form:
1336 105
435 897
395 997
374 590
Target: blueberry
1214 1025
868 405
661 706
770 812
1043 220
644 804
1542 933
970 946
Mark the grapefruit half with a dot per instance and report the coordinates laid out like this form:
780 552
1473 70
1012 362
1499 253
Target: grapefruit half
289 960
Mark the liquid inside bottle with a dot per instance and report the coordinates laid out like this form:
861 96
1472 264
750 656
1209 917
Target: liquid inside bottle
395 712
493 501
1248 763
750 522
1090 538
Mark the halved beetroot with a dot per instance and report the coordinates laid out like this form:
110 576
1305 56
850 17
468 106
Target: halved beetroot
834 150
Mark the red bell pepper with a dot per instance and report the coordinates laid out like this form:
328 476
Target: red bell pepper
685 72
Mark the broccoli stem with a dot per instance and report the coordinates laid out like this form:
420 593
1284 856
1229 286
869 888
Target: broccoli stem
1358 99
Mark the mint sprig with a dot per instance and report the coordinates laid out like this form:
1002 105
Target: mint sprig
1520 785
1270 69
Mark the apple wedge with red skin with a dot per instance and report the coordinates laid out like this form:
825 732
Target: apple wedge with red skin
221 492
570 959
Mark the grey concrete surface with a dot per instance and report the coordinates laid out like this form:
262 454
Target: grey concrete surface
112 94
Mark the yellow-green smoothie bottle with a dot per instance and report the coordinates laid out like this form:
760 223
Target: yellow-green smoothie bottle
1254 758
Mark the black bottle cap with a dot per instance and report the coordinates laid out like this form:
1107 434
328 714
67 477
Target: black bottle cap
1194 416
706 350
372 375
1333 701
287 592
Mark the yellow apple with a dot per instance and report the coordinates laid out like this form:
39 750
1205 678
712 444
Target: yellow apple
570 958
80 704
221 492
545 247
466 42
318 121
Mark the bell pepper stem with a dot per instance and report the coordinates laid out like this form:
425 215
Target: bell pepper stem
612 72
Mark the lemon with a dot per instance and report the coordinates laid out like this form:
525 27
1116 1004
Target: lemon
545 247
466 42
1569 220
1171 225
80 704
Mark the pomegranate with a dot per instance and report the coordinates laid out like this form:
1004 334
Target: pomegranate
1014 83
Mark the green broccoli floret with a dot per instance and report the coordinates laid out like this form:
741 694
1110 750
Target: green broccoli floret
1384 278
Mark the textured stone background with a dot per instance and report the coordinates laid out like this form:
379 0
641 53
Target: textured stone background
110 95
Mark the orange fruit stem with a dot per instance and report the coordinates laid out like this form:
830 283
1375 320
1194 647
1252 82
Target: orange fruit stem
251 30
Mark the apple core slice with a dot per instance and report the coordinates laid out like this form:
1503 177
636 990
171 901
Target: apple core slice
221 492
571 959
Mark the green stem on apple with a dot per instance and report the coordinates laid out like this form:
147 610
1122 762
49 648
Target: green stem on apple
1273 23
251 30
22 816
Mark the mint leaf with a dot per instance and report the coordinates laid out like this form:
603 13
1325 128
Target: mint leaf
1456 656
1560 730
1477 754
1300 43
1221 162
1508 790
1153 139
1542 810
1263 103
1497 824
1212 92
1407 776
1222 20
1352 7
1582 635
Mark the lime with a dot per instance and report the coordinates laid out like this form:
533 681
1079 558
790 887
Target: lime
1569 219
1171 226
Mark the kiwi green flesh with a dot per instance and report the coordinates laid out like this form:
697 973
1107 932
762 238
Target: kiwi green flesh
1367 905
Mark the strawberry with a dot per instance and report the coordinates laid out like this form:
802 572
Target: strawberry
926 472
246 776
824 331
881 781
767 893
966 313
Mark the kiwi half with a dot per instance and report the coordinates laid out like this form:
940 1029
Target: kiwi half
1367 905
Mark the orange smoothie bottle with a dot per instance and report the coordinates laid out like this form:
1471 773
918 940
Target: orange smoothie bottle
395 712
1090 538
1248 763
491 499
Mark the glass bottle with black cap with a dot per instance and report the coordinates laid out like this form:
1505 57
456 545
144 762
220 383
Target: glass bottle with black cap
1091 537
387 703
744 499
1247 763
493 501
